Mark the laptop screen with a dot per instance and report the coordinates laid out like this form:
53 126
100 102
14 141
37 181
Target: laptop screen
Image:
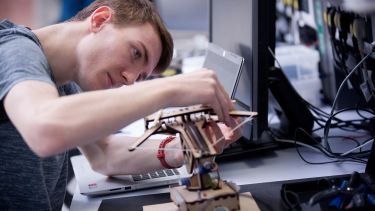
227 66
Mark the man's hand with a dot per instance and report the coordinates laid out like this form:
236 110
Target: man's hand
230 133
221 135
200 87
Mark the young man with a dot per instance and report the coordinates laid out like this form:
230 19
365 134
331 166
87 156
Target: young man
108 44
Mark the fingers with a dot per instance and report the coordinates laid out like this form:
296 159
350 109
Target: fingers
227 99
201 87
230 133
222 103
214 133
238 132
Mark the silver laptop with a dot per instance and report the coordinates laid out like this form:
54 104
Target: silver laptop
227 66
92 183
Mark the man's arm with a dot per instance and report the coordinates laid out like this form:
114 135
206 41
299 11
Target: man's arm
51 124
111 156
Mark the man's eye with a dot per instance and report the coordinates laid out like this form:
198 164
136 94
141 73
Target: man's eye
136 53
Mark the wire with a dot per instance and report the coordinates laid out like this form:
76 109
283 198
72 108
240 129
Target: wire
314 148
318 148
327 152
330 120
297 143
321 116
351 125
339 160
290 200
359 147
351 72
355 127
348 138
314 108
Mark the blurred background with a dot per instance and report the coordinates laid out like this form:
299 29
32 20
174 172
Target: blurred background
31 13
188 21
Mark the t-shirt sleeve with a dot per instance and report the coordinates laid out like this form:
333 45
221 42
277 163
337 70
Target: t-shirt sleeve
21 59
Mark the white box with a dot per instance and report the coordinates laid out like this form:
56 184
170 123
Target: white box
300 65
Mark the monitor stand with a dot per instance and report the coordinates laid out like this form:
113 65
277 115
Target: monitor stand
290 107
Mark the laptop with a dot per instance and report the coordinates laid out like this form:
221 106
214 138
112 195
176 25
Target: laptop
227 66
92 183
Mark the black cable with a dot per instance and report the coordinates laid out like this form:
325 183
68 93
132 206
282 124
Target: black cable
322 117
351 72
290 200
322 150
346 137
357 155
329 154
365 110
328 126
346 125
319 116
320 112
333 161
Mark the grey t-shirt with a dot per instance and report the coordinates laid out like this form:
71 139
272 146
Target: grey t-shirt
27 182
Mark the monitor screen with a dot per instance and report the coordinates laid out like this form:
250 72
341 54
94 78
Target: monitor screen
247 28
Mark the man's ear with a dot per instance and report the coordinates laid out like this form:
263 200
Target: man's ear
99 17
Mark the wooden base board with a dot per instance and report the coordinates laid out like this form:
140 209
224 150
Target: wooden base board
247 203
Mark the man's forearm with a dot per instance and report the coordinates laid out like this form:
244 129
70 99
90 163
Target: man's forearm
60 123
111 156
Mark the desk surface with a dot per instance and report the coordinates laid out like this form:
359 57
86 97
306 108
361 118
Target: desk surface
269 166
278 165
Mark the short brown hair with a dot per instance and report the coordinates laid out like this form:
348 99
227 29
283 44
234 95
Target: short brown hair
135 12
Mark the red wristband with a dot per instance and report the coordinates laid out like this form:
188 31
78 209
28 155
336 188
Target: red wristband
161 153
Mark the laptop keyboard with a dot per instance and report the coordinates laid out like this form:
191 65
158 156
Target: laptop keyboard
155 174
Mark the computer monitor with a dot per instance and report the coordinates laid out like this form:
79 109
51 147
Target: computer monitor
247 28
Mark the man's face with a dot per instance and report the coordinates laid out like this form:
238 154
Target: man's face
116 56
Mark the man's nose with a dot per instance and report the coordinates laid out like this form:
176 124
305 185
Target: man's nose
130 77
